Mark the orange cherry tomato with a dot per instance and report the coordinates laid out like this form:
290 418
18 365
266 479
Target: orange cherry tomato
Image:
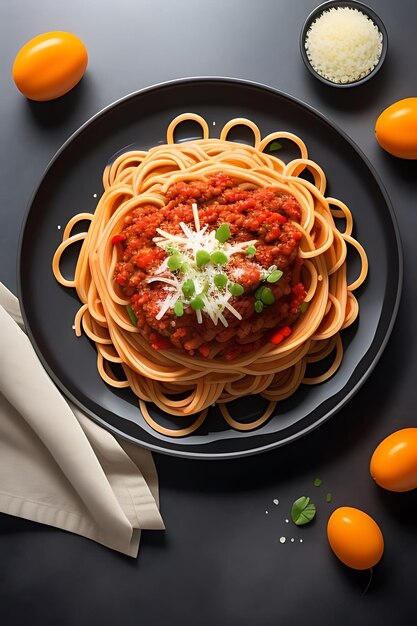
355 538
49 65
396 129
394 462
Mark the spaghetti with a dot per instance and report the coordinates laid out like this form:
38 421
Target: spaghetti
176 291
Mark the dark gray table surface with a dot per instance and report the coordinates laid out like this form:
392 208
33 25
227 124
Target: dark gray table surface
220 561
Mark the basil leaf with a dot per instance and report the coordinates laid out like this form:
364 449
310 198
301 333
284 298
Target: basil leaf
317 482
302 511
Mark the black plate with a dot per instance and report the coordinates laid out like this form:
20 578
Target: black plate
68 187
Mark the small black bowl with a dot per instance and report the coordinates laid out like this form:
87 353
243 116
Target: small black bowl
352 5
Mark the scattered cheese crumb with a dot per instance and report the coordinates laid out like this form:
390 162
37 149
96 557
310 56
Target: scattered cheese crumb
282 540
275 501
343 45
59 227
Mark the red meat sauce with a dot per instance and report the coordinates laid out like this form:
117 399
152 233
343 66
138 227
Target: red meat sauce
265 215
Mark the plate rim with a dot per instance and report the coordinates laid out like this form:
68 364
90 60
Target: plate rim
183 453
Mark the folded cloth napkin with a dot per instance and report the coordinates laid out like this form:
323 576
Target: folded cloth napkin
58 467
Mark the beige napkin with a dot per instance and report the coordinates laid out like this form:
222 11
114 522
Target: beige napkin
58 467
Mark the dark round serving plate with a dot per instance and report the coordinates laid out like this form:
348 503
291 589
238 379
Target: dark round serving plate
69 186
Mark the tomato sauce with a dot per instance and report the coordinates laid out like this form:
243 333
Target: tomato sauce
264 215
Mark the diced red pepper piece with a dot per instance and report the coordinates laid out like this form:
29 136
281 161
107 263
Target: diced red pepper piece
144 259
204 350
280 335
117 238
158 342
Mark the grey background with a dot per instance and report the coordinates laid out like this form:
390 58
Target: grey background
220 560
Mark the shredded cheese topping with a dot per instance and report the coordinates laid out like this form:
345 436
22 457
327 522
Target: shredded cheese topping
214 299
343 45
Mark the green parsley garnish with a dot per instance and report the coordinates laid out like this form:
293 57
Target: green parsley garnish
275 146
259 306
223 233
303 511
328 497
131 315
179 308
267 296
218 258
188 288
251 251
258 292
174 262
317 482
274 276
303 307
202 258
197 303
236 289
220 280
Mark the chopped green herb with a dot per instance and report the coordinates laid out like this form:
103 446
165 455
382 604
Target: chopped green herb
274 276
267 296
131 315
197 303
317 482
258 292
188 288
251 251
223 233
220 280
236 289
303 307
302 511
202 258
184 267
179 308
275 146
328 497
259 306
174 262
218 258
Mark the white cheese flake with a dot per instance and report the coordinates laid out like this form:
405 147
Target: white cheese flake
186 246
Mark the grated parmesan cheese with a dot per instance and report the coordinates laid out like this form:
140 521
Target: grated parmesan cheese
343 45
215 300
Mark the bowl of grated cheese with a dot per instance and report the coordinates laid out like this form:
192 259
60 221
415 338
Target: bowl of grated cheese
343 44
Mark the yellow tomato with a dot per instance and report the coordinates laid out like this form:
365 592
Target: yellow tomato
49 65
396 129
394 462
355 538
